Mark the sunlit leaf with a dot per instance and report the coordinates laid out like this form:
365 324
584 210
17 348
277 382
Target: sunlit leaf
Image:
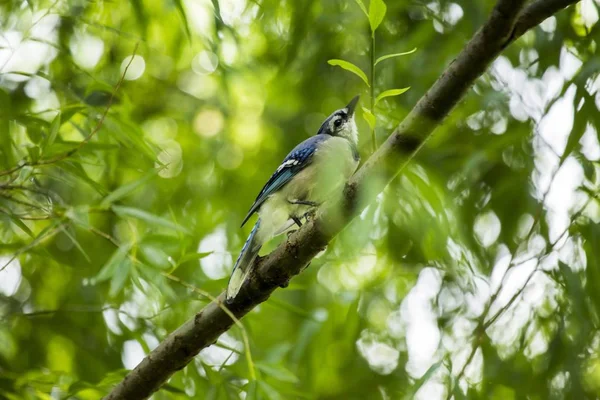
119 278
390 93
579 126
34 153
128 188
387 56
154 256
194 256
76 170
79 215
151 219
423 379
269 391
54 127
182 14
362 7
140 15
348 66
251 389
369 117
21 224
377 10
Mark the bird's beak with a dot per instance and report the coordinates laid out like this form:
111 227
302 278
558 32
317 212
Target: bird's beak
352 105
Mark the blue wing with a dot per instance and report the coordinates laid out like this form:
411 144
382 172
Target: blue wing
294 162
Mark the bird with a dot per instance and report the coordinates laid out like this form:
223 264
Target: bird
311 173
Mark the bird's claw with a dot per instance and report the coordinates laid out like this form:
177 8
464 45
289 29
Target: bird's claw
289 233
310 215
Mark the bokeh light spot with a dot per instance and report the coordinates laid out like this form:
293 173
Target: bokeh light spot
135 70
209 122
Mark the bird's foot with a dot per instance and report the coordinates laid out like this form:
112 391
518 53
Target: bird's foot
310 214
290 233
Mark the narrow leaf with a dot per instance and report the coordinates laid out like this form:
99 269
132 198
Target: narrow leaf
140 16
77 171
362 7
119 277
21 225
579 127
369 117
108 270
128 188
54 127
423 379
390 93
181 10
76 243
278 372
348 66
194 256
147 217
394 55
377 10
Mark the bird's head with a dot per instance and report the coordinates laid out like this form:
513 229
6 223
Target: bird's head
341 123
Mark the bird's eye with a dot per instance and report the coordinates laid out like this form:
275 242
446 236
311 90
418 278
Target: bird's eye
338 123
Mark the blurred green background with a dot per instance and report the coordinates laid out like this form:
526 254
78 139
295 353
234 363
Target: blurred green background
476 273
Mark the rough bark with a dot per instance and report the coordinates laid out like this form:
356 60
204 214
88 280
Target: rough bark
507 22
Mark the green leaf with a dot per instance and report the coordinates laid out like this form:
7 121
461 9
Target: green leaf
54 127
119 277
390 93
369 117
269 391
362 7
147 217
76 243
154 256
34 153
348 66
109 269
66 113
75 169
21 225
79 215
579 127
377 10
128 188
278 372
387 56
415 388
181 11
194 256
251 389
130 134
140 16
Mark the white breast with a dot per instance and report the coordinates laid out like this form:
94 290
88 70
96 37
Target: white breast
332 164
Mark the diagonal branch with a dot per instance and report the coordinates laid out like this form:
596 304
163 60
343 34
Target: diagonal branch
503 27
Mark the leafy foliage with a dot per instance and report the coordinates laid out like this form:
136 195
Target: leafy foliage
134 136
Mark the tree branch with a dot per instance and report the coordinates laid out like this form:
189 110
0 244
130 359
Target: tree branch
503 27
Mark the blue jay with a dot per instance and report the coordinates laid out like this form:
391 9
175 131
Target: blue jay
312 172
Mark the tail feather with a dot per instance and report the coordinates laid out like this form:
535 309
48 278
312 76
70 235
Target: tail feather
243 263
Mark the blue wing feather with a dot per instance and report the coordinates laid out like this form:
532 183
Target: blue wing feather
303 155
